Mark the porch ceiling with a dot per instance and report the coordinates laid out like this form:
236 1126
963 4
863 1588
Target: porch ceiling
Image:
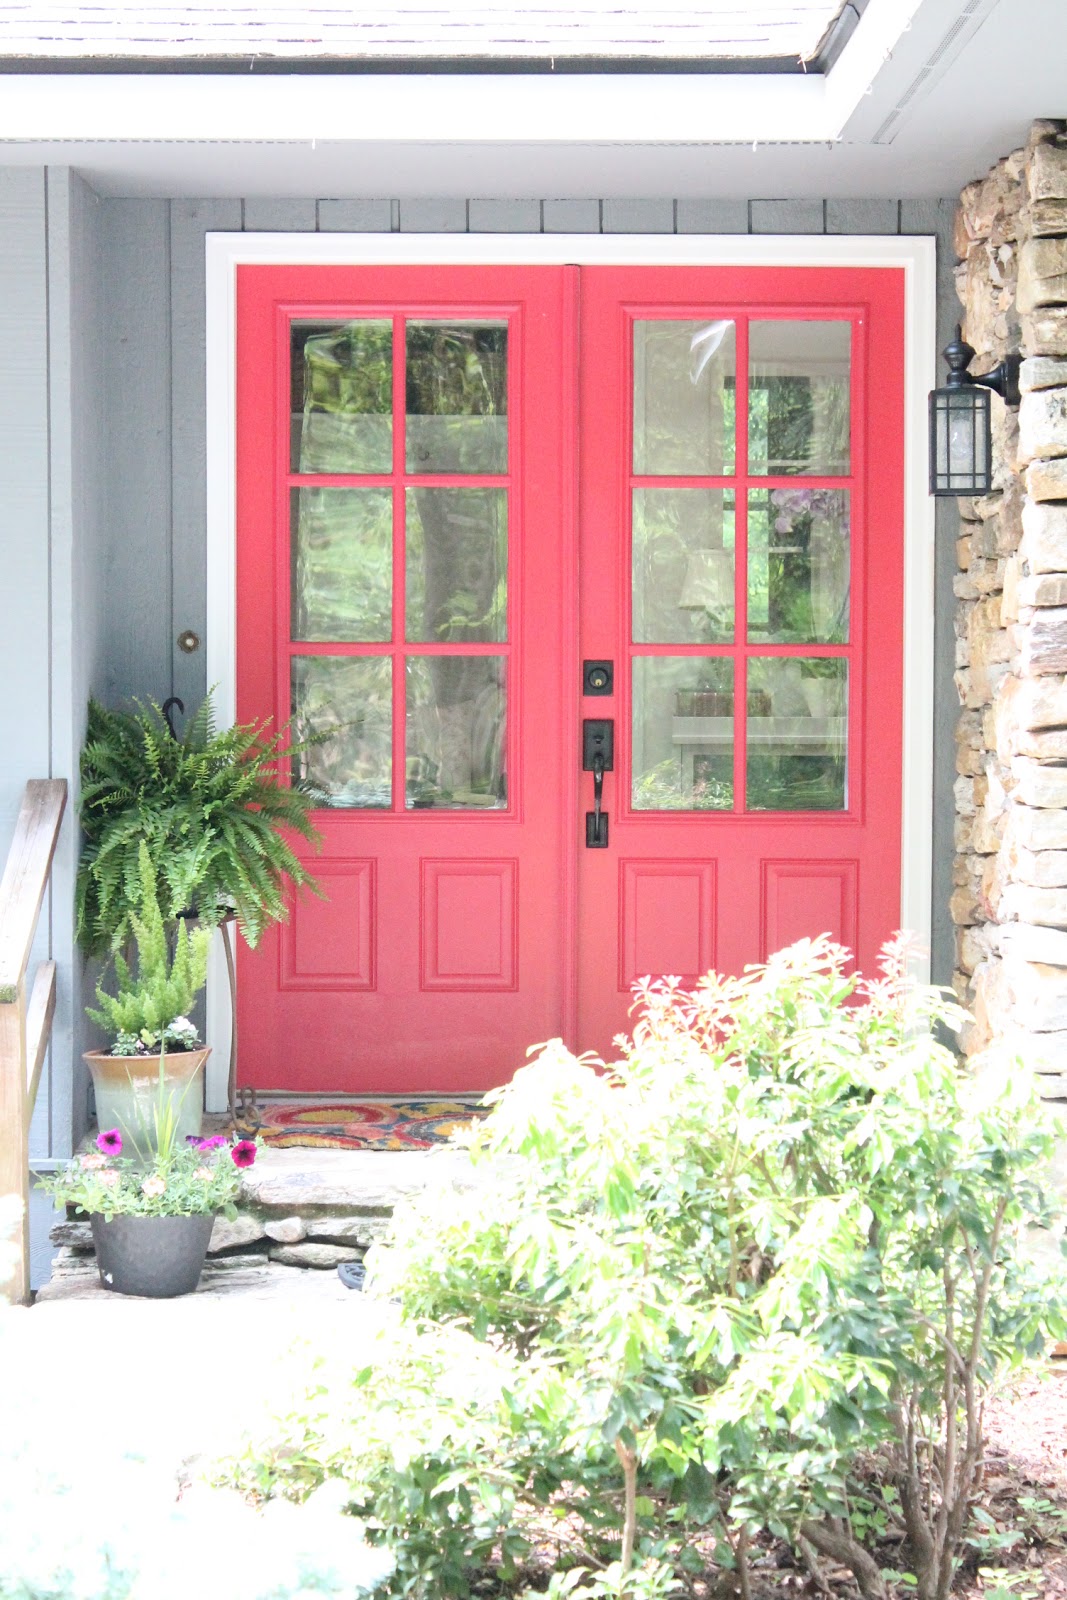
925 95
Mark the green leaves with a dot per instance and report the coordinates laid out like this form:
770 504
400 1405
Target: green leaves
163 987
714 1281
210 808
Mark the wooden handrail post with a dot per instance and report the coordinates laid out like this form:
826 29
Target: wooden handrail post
15 1137
22 891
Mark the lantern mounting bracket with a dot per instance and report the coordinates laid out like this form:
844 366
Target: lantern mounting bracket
1003 379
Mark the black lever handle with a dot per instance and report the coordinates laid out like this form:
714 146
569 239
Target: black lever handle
598 757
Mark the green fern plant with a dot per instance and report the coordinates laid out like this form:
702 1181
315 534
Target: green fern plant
210 809
165 986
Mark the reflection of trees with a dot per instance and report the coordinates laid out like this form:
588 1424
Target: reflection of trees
456 409
457 376
342 381
342 544
348 698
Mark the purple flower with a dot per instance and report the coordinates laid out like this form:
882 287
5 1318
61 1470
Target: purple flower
243 1153
110 1142
216 1141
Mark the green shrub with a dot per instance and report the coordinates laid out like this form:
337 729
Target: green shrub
755 1278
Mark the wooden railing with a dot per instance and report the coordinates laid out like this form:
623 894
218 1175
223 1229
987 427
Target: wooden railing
25 1025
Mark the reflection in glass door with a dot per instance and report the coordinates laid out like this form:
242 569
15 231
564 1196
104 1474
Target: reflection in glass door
740 495
399 562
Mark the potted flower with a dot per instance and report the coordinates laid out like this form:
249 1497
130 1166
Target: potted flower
155 1049
152 1222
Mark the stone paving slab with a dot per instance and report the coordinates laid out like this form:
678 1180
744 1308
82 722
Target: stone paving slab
299 1288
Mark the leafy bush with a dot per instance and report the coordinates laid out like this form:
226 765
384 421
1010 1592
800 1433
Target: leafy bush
210 808
753 1279
147 1005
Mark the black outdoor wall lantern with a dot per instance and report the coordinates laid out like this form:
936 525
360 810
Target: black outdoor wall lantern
961 437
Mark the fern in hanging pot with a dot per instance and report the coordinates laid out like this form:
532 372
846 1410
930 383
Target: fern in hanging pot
208 805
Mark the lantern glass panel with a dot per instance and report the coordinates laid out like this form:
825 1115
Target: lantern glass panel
960 441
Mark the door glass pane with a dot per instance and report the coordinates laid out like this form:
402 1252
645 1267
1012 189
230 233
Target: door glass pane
456 716
683 733
457 397
341 549
798 397
797 734
457 565
342 396
684 375
683 566
798 565
348 699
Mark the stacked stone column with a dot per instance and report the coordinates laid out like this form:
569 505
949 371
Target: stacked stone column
1010 896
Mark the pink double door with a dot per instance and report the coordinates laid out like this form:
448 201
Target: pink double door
511 539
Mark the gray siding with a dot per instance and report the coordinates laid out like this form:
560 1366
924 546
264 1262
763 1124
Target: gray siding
51 466
102 466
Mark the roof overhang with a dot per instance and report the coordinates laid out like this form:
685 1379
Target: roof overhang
894 114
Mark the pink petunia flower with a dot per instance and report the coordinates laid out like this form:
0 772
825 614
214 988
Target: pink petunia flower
110 1142
153 1187
243 1153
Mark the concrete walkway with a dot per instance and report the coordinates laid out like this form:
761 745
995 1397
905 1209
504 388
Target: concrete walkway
112 1406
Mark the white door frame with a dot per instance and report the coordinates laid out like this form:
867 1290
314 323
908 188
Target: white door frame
915 256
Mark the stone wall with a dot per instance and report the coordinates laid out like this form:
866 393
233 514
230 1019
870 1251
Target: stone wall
1010 884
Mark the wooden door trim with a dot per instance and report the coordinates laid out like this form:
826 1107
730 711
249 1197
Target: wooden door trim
914 256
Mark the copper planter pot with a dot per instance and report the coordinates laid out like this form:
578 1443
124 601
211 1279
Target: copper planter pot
127 1094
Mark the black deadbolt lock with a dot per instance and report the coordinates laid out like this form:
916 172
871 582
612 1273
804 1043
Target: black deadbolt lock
598 677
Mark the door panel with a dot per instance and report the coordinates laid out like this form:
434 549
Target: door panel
402 526
409 506
742 566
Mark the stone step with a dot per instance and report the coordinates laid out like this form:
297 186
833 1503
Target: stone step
301 1212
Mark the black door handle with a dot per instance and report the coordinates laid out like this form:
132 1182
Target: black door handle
598 757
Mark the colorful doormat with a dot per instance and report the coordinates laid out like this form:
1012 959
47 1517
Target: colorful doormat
393 1124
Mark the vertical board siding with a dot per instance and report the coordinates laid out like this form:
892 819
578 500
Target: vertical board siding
24 656
92 592
137 319
355 216
712 216
25 639
189 221
505 216
637 216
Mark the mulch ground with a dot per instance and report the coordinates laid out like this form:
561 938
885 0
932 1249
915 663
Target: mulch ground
1026 1460
1025 1502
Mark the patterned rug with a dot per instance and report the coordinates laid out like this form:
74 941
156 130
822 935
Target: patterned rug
392 1124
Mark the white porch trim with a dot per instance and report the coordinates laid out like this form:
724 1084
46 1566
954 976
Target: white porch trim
916 256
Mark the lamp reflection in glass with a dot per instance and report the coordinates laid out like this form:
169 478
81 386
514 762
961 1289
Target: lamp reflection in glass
961 435
708 584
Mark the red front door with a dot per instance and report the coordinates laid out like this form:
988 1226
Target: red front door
410 490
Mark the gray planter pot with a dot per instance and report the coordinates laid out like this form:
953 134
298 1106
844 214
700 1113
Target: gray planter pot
157 1257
